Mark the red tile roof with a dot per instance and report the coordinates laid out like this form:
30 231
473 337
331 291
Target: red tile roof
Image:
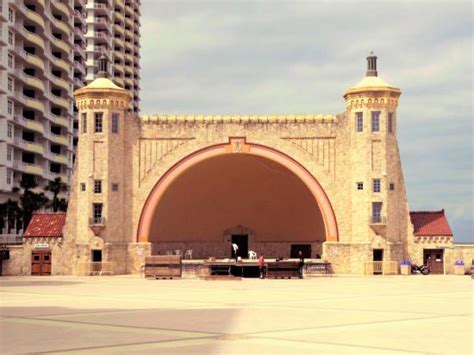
46 224
430 223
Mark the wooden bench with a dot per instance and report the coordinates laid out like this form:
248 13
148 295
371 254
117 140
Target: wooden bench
283 269
163 266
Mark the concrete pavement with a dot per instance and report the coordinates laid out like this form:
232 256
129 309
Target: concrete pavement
127 314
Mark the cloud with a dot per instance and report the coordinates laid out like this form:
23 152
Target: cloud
299 57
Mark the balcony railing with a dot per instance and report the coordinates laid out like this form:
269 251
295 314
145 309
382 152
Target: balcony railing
80 14
96 221
378 220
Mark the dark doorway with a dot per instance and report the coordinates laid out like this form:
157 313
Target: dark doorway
434 259
41 262
378 254
242 241
96 256
305 249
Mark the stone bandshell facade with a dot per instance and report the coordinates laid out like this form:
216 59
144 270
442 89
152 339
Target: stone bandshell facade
330 154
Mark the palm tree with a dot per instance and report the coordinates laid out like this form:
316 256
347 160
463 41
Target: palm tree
3 215
30 201
10 215
56 187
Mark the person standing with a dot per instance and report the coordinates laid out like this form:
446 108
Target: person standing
235 249
261 265
301 265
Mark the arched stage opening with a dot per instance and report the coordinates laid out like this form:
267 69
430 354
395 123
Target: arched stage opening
250 194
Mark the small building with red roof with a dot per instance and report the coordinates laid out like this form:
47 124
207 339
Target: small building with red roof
42 240
46 225
433 242
430 224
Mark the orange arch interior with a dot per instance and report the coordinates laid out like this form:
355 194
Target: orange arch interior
258 187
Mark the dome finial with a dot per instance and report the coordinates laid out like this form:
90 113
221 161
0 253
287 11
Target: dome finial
103 71
371 64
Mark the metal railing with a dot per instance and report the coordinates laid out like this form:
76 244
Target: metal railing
97 221
378 220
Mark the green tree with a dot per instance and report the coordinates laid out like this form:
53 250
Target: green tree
56 187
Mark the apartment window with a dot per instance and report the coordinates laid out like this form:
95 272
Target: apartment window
115 122
97 212
9 153
9 177
98 122
9 130
10 61
392 186
390 122
360 185
10 107
375 121
83 186
10 84
376 212
376 185
84 122
97 186
11 15
359 122
115 187
10 38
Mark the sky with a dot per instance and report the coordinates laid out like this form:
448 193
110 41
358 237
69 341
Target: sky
282 57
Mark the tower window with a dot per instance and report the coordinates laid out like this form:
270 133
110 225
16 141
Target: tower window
84 122
115 123
98 122
83 186
375 121
97 186
376 185
390 122
360 185
97 213
359 122
115 187
376 212
392 186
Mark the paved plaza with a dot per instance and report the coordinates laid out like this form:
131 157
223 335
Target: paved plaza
340 314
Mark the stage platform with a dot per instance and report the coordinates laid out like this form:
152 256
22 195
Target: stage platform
203 268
